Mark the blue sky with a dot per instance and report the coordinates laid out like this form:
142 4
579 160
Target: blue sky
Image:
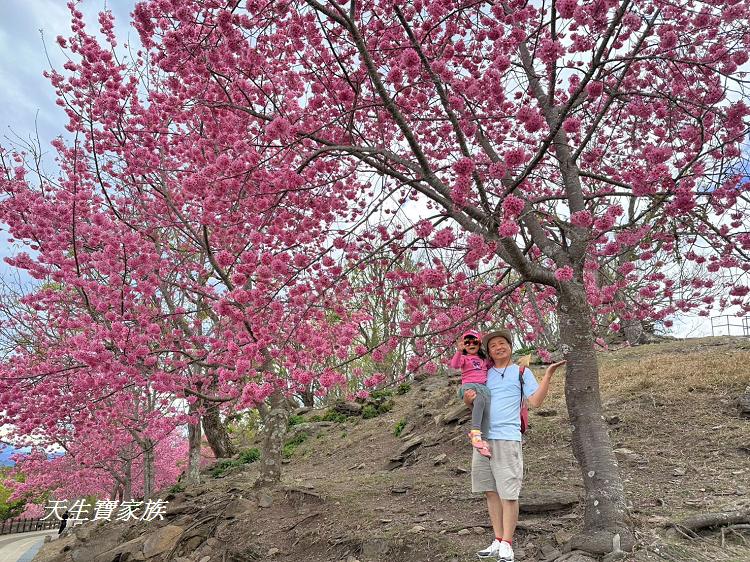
27 106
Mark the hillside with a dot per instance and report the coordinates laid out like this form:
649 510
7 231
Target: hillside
355 491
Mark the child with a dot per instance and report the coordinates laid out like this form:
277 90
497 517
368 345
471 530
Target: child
472 362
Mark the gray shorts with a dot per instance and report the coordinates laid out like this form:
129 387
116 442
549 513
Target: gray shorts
503 473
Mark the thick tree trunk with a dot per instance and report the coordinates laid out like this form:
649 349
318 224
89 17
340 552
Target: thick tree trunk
605 513
194 449
127 491
275 423
148 469
216 433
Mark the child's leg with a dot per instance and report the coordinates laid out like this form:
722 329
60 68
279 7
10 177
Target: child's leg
477 412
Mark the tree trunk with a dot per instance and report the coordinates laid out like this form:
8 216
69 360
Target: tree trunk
605 513
274 430
216 433
194 449
148 469
127 491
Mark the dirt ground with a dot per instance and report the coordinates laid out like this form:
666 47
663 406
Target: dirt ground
671 407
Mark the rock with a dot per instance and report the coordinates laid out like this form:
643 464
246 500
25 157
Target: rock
162 540
562 536
479 530
630 456
549 551
459 470
464 532
743 403
238 507
459 413
679 471
273 551
375 548
205 559
577 556
400 489
439 459
347 408
612 420
417 529
410 446
543 501
265 500
547 413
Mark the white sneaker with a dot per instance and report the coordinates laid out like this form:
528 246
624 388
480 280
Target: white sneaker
505 553
490 551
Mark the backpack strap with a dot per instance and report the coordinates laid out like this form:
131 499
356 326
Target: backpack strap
521 370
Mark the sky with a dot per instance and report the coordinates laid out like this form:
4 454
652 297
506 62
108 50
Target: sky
27 102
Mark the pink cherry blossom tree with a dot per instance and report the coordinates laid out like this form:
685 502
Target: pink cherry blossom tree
530 127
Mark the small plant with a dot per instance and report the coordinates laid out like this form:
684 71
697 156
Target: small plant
376 395
291 445
369 411
399 427
176 489
403 388
249 456
245 457
385 407
333 416
296 420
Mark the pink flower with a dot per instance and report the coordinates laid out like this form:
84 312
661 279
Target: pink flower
513 206
515 157
508 229
443 238
572 125
582 219
564 273
423 228
464 166
594 89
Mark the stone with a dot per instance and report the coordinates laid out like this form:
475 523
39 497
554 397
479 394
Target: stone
265 500
347 408
417 529
439 459
627 455
679 471
464 532
238 507
547 413
460 470
273 551
479 530
577 556
161 541
410 446
562 536
205 559
743 403
543 501
458 413
375 548
549 551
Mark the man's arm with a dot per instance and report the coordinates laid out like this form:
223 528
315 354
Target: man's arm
536 399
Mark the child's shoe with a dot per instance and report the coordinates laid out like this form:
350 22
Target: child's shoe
475 436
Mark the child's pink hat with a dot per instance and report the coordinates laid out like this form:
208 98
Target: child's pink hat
473 334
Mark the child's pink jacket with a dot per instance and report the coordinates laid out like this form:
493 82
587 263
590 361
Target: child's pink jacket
473 368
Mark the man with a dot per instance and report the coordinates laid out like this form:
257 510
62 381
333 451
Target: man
500 476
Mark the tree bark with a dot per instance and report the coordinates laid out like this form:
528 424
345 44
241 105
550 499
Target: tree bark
194 448
605 512
148 469
216 433
275 423
127 491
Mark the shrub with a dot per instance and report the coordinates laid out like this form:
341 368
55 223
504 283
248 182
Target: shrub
376 395
369 411
385 407
245 457
403 388
399 427
291 445
296 420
